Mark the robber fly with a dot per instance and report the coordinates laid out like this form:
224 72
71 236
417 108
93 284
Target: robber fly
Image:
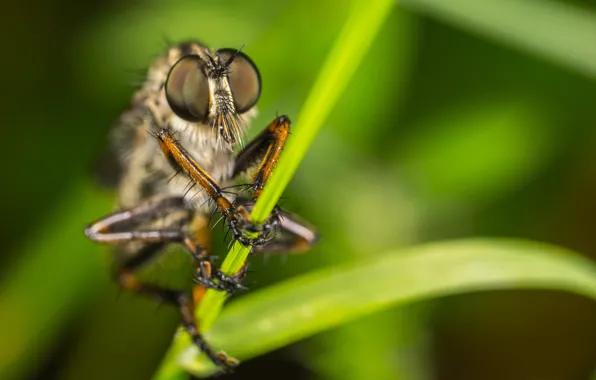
180 133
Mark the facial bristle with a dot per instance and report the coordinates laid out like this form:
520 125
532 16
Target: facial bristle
229 129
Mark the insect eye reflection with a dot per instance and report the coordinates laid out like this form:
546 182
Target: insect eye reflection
187 84
187 89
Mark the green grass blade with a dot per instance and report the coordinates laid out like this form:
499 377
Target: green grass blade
341 63
562 33
303 306
350 47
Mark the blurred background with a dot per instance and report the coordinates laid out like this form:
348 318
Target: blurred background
464 119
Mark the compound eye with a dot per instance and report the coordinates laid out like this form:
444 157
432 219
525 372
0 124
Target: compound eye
187 89
244 79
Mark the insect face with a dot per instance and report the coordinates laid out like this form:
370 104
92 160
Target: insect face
214 89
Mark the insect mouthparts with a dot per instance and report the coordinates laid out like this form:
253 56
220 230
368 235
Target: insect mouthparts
229 126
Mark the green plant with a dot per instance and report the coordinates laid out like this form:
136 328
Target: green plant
302 306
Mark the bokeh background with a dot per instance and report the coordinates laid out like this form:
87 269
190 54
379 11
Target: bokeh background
466 118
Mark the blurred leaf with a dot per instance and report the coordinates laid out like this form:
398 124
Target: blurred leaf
303 306
558 32
368 112
43 287
477 152
364 117
385 345
388 345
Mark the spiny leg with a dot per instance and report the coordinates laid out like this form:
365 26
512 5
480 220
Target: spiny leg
264 150
123 227
267 148
238 218
119 228
126 277
296 236
206 274
235 281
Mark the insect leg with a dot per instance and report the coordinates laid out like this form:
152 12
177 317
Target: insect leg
238 218
123 227
295 235
265 150
207 275
125 275
119 228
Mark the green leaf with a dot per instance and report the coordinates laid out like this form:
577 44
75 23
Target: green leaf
303 306
560 32
437 157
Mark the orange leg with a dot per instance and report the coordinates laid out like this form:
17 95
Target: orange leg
123 227
295 236
267 148
238 218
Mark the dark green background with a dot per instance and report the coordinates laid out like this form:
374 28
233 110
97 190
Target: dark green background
444 132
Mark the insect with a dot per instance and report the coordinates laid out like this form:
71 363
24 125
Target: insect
175 146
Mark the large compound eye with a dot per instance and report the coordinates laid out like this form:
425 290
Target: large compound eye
187 89
245 80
